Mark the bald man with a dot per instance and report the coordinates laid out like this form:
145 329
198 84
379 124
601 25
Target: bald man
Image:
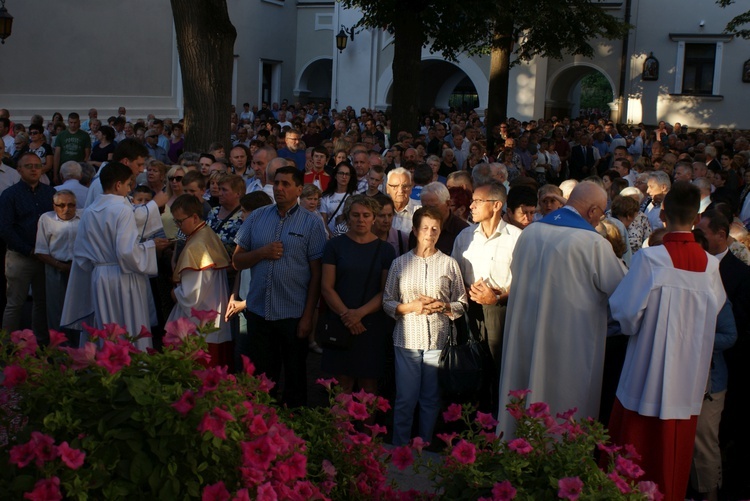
563 274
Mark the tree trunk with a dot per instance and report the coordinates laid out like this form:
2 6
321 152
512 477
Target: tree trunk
497 101
205 43
407 55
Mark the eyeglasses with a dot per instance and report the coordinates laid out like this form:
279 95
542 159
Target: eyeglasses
63 206
345 174
175 179
32 132
32 166
179 222
402 187
481 200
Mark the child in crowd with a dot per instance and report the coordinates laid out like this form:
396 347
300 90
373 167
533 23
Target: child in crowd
142 195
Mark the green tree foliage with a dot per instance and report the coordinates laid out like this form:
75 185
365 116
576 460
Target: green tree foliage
512 30
734 25
595 91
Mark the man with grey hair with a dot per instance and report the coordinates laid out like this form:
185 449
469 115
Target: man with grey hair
398 187
704 185
711 162
273 165
71 173
436 195
563 273
484 253
481 174
683 171
658 186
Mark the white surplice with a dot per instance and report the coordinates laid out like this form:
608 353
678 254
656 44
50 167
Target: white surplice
556 326
671 314
109 276
203 290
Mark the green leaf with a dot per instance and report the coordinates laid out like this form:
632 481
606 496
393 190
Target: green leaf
140 468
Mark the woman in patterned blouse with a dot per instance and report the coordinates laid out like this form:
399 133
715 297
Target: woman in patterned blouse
424 292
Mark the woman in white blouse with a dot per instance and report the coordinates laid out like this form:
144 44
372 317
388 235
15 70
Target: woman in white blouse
424 292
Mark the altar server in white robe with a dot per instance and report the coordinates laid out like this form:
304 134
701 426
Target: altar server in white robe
201 277
109 275
555 331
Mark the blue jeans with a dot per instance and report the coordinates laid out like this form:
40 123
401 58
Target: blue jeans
416 382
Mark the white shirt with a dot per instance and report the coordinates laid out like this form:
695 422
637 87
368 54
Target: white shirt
10 176
80 191
402 220
745 211
487 258
10 144
56 237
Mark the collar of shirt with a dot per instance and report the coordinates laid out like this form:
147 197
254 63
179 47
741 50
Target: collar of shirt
721 255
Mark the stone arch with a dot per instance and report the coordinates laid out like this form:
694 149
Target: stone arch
315 79
560 98
441 78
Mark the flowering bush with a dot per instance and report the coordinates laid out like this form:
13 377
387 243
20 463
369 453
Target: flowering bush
108 422
550 458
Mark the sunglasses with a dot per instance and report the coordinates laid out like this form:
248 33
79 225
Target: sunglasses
176 179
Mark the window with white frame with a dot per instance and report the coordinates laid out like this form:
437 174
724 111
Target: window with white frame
698 65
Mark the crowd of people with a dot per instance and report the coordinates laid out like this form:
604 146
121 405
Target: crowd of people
603 267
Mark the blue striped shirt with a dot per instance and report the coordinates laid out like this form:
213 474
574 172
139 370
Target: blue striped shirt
278 288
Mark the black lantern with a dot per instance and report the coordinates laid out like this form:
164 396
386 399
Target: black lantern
342 37
6 22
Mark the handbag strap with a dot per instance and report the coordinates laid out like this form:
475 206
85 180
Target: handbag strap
337 208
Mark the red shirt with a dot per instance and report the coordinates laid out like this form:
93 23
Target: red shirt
321 176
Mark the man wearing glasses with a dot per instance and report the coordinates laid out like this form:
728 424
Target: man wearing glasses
21 206
563 273
398 187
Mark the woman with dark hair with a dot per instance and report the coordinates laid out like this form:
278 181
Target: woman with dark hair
342 185
104 147
176 143
355 266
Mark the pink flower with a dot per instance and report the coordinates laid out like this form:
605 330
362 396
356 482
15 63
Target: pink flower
628 468
453 413
215 492
186 403
113 357
376 429
73 458
503 491
211 378
113 331
247 366
357 410
619 482
631 453
486 420
402 457
46 489
447 437
650 490
177 331
297 465
204 317
56 338
569 488
328 469
266 492
44 448
22 455
418 444
327 383
520 446
489 436
327 486
609 449
516 410
201 357
94 333
382 404
215 421
259 453
264 384
539 410
567 414
25 341
14 375
258 425
518 394
242 495
144 334
464 452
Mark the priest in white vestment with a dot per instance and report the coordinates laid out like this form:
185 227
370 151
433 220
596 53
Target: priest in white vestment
555 331
201 277
111 266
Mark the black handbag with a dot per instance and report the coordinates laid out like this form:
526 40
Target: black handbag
460 367
334 334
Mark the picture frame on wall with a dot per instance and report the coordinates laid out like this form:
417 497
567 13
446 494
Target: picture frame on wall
650 68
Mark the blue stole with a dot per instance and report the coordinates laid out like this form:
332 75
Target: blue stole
566 217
